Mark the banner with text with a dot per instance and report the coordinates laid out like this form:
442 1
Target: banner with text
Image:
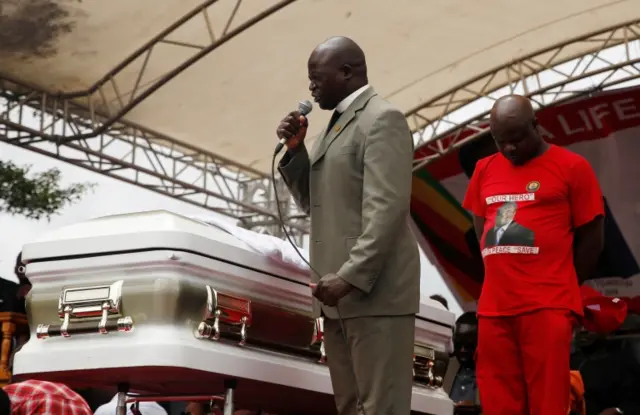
604 128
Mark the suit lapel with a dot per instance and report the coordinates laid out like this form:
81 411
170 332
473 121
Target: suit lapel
327 138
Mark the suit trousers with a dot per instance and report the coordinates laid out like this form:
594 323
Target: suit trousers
377 357
522 363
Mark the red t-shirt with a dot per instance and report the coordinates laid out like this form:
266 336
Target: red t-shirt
530 212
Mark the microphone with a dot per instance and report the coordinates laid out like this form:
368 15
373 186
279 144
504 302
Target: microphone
304 108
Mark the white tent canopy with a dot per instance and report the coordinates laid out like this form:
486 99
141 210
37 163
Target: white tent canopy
230 101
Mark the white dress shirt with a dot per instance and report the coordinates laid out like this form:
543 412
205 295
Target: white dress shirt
345 103
501 230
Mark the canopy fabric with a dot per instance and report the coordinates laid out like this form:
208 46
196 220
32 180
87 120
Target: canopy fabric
230 102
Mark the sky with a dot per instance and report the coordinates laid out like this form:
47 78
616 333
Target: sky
111 196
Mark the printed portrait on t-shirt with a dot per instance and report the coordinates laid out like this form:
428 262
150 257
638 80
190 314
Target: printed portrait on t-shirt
506 230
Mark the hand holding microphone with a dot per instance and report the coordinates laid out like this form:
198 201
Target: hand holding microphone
293 128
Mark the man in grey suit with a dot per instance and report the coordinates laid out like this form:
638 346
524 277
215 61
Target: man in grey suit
355 183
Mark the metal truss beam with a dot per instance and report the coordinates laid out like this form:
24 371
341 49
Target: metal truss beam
148 159
546 77
86 128
115 95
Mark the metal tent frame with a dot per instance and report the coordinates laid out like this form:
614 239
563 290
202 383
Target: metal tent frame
71 127
455 117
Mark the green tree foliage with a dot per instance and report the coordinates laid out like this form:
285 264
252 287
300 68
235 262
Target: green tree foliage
35 195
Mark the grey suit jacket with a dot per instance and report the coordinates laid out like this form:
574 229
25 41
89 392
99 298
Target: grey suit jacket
356 186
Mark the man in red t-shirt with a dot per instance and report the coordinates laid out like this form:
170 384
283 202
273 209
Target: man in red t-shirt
538 214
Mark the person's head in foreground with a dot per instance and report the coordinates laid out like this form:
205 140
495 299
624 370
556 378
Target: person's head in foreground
465 338
441 300
337 68
515 129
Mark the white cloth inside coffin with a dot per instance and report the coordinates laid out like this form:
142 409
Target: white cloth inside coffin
274 248
279 250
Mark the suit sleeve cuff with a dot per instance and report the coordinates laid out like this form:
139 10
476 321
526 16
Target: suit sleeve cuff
291 157
347 273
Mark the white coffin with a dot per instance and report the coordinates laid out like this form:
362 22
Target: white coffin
163 248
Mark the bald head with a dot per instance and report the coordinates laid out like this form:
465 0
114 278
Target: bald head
512 109
340 50
337 67
514 129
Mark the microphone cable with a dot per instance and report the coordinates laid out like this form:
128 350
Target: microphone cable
359 404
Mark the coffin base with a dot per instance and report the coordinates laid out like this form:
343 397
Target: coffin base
154 361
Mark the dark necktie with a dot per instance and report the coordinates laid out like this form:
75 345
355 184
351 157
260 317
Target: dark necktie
333 120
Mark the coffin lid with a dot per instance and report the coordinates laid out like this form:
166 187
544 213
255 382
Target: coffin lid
160 229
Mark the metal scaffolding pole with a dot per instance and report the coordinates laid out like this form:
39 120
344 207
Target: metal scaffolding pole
547 77
83 129
148 159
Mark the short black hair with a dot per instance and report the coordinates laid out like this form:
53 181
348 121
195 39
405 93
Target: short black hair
5 403
469 318
439 298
